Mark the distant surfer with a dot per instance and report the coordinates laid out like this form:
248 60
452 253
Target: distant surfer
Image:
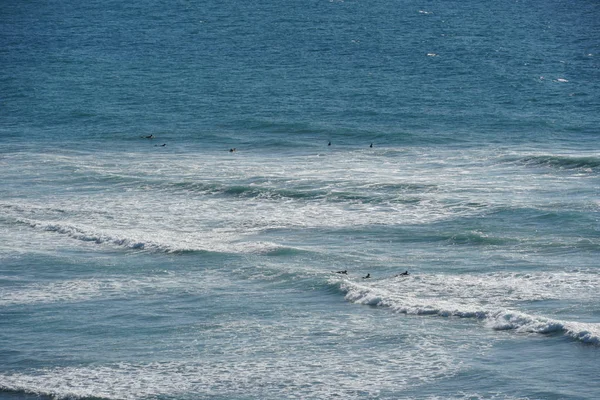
232 150
329 144
344 272
371 146
162 145
367 276
405 273
148 137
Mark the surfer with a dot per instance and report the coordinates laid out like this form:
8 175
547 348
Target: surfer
329 144
344 272
405 273
371 146
367 276
147 137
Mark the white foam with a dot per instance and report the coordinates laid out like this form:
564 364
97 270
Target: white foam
492 298
87 235
71 290
208 223
522 322
186 203
167 198
78 290
298 374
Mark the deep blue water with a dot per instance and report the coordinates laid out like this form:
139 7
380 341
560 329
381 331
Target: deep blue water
457 141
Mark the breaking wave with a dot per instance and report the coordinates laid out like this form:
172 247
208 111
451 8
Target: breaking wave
492 300
96 237
204 242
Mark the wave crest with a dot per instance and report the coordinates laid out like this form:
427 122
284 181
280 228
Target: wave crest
448 302
88 236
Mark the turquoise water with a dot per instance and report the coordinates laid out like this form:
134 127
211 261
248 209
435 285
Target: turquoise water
457 141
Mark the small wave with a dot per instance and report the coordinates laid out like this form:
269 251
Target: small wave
270 193
245 191
86 236
482 299
100 237
211 243
478 239
512 320
280 251
562 162
369 194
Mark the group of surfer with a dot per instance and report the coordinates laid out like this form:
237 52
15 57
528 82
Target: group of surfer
231 150
368 276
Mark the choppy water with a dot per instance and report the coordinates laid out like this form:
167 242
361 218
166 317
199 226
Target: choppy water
133 270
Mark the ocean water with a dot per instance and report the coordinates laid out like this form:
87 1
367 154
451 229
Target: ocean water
455 140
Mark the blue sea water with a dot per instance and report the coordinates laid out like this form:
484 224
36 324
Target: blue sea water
455 140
